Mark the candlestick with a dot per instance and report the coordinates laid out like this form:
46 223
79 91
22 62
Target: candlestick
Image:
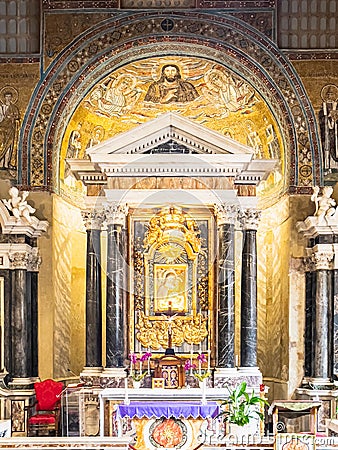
148 362
140 365
209 360
236 360
131 368
199 364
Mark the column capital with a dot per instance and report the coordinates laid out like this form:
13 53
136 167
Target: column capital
18 260
226 214
34 260
322 259
308 263
93 219
249 218
115 213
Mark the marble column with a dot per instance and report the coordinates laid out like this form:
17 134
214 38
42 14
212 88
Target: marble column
116 309
322 366
21 316
32 278
335 319
226 216
248 356
93 222
310 314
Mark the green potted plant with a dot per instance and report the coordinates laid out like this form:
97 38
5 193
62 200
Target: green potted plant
240 407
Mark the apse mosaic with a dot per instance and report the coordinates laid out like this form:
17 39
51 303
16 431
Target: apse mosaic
201 90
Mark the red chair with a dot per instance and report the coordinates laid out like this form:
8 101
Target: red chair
47 406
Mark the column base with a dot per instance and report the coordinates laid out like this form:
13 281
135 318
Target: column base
91 376
318 383
327 398
23 383
113 377
231 377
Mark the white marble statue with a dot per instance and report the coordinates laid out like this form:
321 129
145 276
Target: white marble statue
325 205
18 204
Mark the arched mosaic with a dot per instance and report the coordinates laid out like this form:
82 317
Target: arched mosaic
222 43
205 92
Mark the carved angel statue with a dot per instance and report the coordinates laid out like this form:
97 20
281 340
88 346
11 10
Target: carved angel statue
325 205
18 204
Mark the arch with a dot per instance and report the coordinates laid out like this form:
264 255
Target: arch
112 43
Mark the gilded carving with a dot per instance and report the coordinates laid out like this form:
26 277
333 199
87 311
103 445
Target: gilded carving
170 223
154 334
171 280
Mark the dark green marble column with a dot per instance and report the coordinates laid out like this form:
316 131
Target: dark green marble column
116 311
226 216
93 221
249 220
323 366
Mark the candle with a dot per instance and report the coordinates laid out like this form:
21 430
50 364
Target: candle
140 365
191 352
131 367
148 363
236 360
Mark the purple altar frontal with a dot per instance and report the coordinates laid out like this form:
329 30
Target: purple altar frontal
175 409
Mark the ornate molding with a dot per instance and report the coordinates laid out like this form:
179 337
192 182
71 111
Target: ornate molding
249 218
226 214
93 219
116 213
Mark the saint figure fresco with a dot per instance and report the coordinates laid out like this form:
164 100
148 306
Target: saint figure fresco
9 124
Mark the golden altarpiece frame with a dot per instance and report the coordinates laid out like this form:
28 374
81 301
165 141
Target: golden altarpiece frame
172 278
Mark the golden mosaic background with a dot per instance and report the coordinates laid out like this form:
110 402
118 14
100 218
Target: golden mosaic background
226 103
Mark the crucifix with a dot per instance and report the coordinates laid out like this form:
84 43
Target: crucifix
169 350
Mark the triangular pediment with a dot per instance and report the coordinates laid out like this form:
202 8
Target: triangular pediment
169 127
171 146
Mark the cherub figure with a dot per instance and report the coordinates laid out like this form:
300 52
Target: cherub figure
325 205
18 204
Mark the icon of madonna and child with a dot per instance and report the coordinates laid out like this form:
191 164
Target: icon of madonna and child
170 286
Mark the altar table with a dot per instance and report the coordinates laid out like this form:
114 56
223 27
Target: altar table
169 424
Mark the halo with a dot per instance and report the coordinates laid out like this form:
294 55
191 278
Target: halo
12 90
328 90
100 129
211 72
156 70
125 75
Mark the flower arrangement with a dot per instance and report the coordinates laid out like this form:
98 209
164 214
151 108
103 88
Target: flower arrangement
198 372
139 374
